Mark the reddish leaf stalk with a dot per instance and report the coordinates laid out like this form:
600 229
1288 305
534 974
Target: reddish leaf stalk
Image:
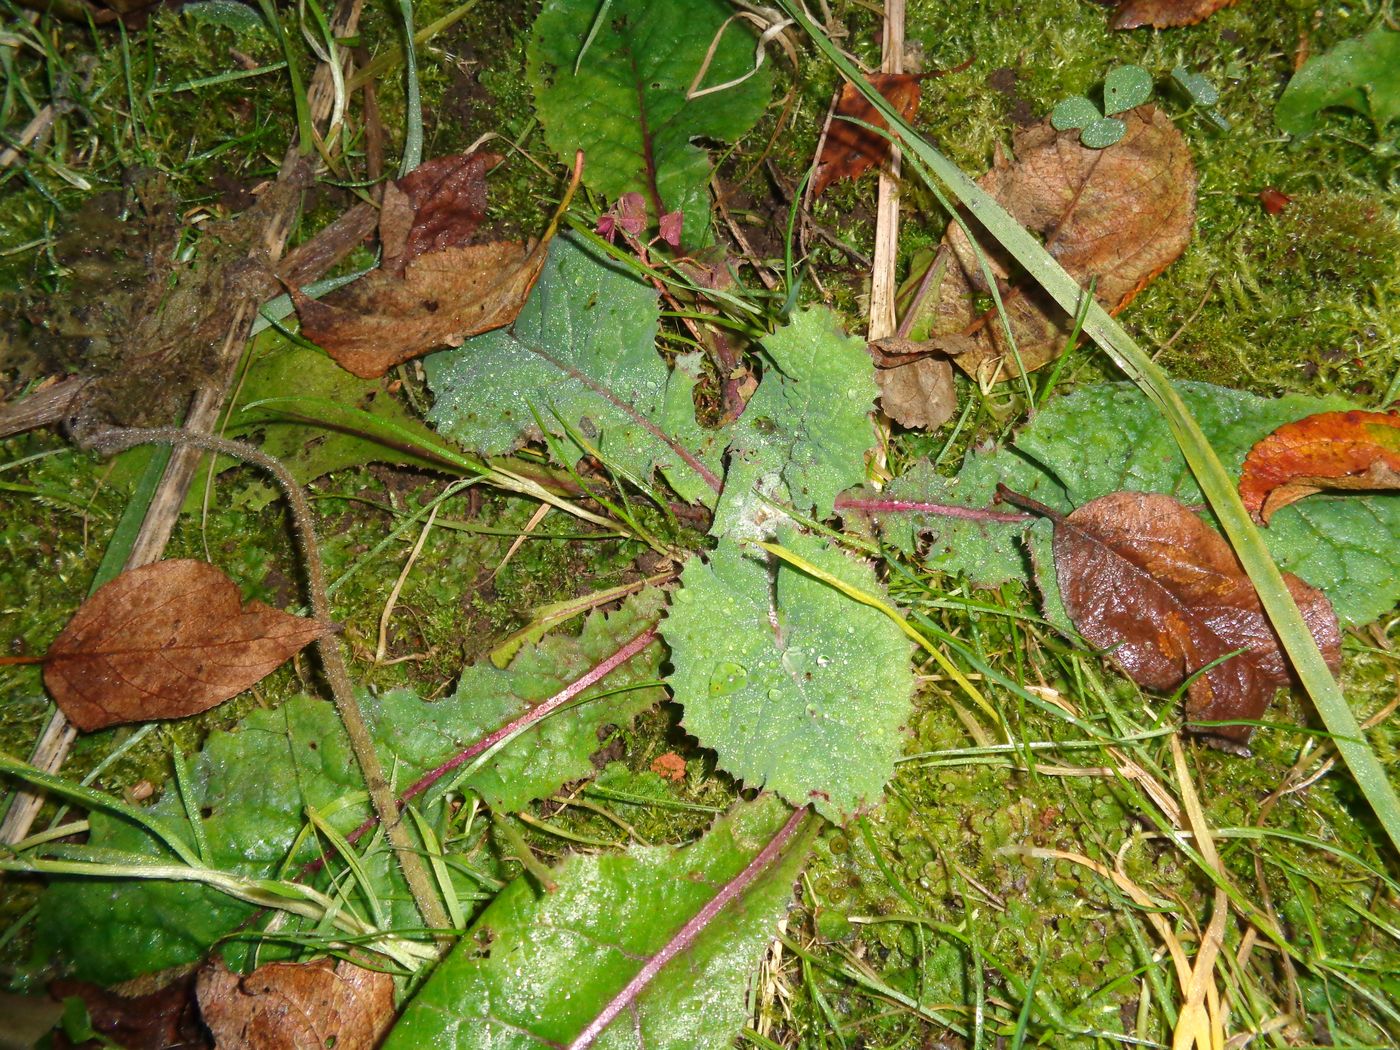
648 148
651 428
948 510
535 714
687 934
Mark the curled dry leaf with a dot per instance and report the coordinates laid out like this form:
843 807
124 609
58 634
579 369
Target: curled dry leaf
1164 14
1163 595
287 1006
165 641
433 289
1115 216
436 206
916 379
850 149
1331 450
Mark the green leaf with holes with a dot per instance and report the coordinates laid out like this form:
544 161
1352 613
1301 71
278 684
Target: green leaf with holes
1124 88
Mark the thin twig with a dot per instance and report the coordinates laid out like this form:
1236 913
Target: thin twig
116 439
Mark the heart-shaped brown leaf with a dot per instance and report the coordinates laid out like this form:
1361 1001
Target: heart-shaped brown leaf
165 641
1115 216
1164 14
288 1006
1163 595
1331 450
850 149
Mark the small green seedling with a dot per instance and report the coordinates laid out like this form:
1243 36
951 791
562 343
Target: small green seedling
1203 94
1123 88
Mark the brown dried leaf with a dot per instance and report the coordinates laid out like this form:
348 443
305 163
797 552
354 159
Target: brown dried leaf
919 392
1164 14
287 1006
443 297
1163 595
849 149
1117 216
165 1019
433 289
165 641
1330 450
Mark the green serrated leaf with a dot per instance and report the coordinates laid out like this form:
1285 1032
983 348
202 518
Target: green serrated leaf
1124 88
1076 112
1362 73
253 785
625 105
796 687
1105 438
582 351
536 968
1100 134
804 434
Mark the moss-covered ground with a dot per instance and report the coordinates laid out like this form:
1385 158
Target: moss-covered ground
926 923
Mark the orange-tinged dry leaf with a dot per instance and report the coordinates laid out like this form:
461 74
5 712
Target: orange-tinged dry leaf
1163 14
1115 216
1163 595
1331 450
849 149
165 641
289 1006
432 289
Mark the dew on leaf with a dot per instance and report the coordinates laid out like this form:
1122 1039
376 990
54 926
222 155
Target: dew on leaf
728 678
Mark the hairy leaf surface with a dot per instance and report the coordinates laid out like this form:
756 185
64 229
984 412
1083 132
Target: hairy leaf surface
253 786
582 352
537 967
613 80
804 434
796 687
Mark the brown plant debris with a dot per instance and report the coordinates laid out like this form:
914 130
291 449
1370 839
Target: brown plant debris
1165 14
1116 217
164 641
849 149
165 1019
433 288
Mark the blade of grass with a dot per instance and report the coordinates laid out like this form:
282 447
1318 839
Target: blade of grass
1210 474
